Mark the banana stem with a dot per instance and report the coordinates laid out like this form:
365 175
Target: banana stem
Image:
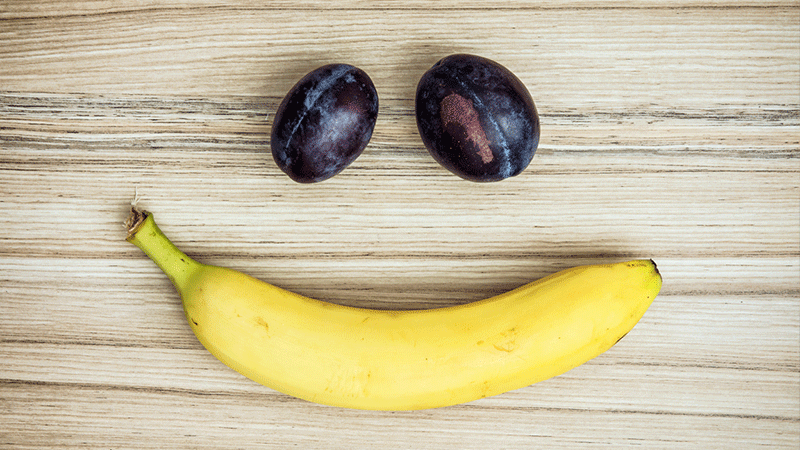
145 234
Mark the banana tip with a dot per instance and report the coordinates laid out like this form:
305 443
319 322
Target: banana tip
657 272
655 266
134 220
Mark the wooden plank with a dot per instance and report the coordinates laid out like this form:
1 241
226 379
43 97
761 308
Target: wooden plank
14 9
670 131
131 418
564 57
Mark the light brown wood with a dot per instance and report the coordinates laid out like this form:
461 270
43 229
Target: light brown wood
670 130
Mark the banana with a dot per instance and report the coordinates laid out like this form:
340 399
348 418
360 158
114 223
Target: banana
402 360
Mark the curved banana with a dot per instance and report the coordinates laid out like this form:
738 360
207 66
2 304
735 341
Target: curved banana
402 360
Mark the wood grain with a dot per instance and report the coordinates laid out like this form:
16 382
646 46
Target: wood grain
670 130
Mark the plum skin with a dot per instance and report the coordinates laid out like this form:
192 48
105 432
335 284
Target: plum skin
324 123
476 118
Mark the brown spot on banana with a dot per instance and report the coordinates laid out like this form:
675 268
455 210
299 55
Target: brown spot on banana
262 323
507 341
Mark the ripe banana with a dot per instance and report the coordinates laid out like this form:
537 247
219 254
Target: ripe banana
402 360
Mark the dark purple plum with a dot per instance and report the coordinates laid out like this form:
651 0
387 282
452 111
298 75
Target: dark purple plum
476 118
324 123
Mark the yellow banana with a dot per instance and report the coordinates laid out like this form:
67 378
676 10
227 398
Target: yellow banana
402 360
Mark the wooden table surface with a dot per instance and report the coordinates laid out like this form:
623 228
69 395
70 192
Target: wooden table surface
670 130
